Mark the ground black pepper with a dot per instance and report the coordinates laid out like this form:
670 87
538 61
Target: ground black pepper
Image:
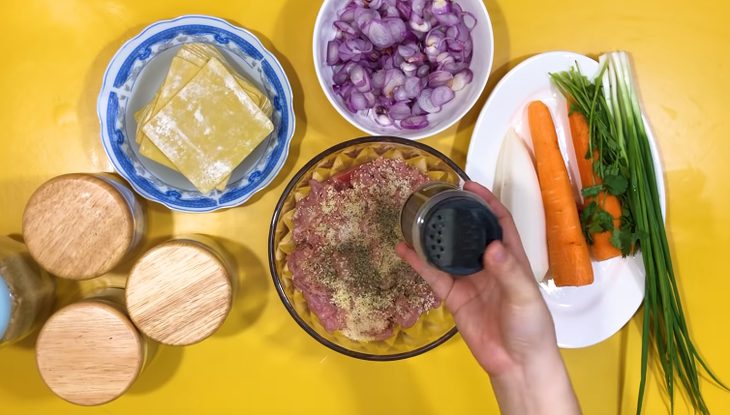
349 230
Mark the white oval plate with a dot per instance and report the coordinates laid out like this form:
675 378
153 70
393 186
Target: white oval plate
586 315
137 70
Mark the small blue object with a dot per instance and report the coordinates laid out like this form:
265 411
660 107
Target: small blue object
115 111
5 307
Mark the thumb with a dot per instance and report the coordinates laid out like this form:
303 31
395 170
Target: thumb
516 283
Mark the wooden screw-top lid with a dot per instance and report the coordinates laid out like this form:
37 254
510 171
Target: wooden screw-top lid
179 292
78 226
89 353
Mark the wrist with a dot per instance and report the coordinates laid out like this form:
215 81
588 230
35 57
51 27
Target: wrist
540 385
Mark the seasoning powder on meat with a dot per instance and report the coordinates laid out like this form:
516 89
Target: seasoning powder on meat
345 264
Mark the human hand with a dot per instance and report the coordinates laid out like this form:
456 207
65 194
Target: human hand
502 317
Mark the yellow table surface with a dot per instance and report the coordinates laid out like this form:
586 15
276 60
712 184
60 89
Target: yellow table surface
55 52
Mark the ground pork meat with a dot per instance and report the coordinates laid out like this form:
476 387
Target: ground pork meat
344 263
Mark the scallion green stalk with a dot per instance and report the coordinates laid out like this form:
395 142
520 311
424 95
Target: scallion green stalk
664 324
611 105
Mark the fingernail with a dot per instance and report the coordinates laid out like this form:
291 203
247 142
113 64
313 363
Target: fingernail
497 254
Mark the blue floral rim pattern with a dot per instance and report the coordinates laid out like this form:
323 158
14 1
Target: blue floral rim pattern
111 111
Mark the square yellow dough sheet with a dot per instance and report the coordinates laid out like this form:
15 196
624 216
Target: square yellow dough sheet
185 64
208 127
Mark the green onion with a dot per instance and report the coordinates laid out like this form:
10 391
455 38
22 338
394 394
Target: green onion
612 168
615 120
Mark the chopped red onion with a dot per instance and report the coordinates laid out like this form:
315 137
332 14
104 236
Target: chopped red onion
379 33
455 45
384 101
408 68
393 78
417 6
440 7
397 28
419 25
370 99
392 11
345 27
384 120
333 56
453 67
403 8
348 13
412 87
363 15
439 78
417 58
397 60
399 111
374 4
378 80
399 94
416 109
434 42
357 102
414 122
425 102
348 67
445 58
461 79
400 59
340 77
448 19
407 50
360 79
441 95
346 53
360 46
468 17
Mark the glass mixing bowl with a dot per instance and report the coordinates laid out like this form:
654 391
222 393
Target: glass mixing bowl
433 327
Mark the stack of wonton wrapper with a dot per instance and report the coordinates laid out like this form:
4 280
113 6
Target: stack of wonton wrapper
204 120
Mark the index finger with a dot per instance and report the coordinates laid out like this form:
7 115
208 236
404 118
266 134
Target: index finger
510 235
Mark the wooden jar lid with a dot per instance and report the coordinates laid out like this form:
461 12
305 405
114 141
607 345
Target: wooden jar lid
179 292
89 353
78 226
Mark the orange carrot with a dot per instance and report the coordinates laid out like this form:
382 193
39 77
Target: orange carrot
579 132
602 248
570 263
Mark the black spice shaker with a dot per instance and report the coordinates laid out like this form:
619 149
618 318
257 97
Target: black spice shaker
448 227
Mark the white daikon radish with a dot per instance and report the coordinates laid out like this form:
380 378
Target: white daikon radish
516 185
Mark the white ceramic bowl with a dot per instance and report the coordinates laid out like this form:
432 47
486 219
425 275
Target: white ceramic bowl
136 72
481 66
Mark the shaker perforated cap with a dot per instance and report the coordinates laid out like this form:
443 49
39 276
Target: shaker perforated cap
456 230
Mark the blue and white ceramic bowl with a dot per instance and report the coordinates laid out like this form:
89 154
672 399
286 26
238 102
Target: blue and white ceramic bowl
137 71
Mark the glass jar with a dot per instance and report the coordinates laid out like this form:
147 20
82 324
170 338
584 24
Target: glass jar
80 226
26 292
89 352
181 291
